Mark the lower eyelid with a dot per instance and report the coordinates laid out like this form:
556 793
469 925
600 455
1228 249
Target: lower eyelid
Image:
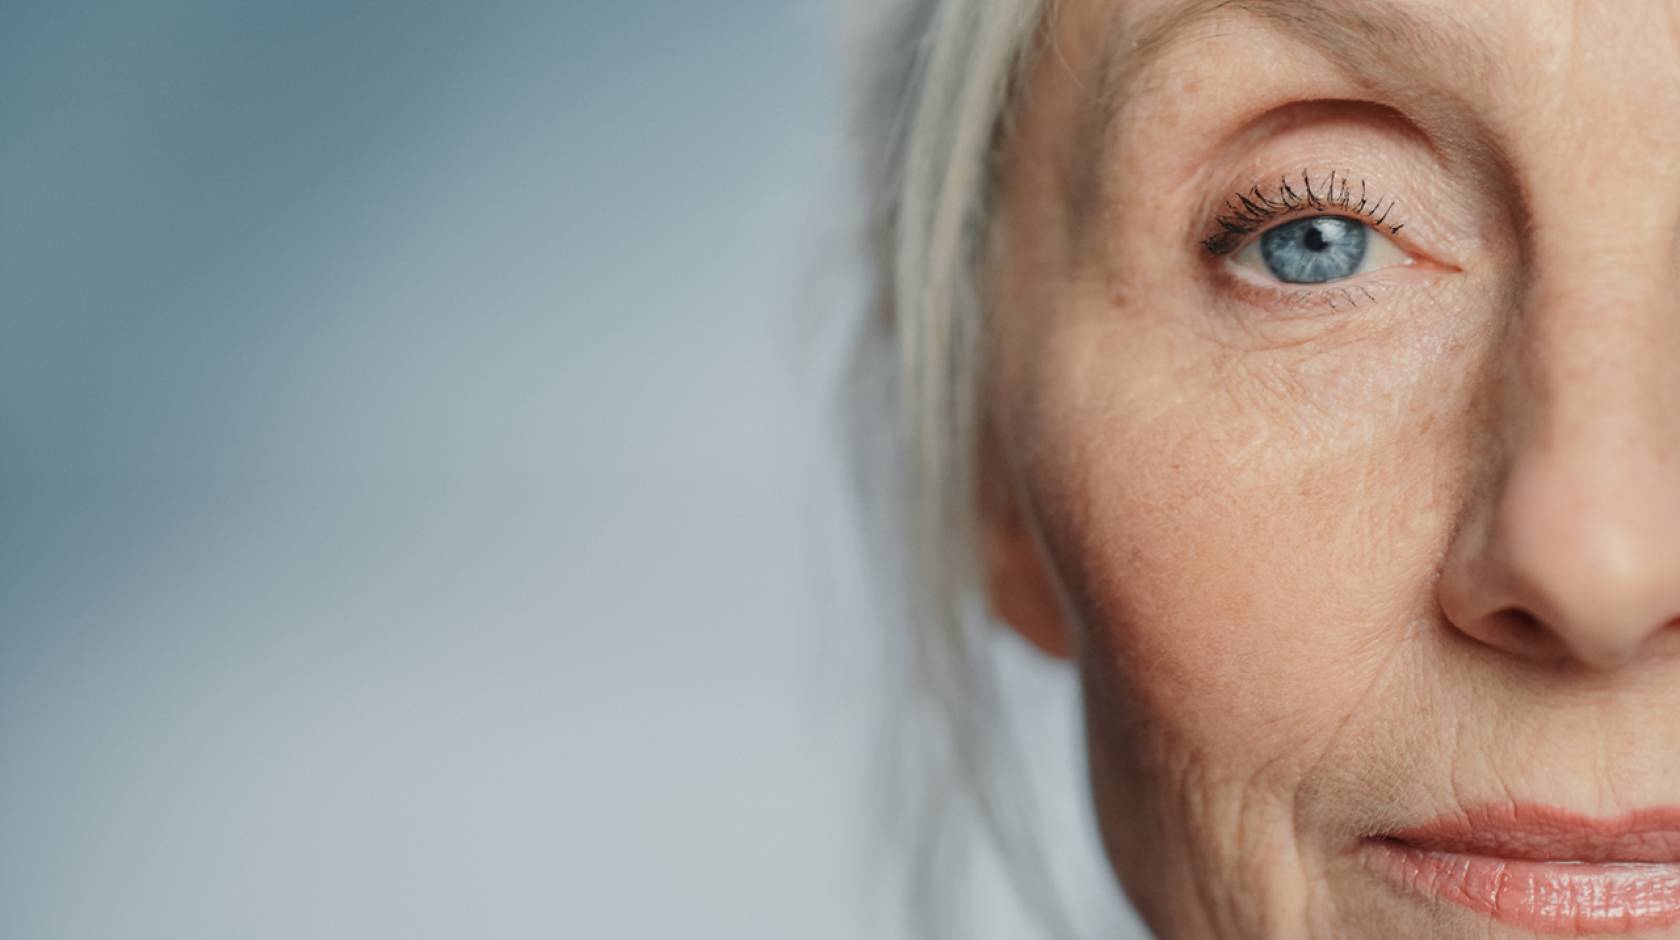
1358 291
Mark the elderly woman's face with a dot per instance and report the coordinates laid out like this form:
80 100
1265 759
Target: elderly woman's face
1335 415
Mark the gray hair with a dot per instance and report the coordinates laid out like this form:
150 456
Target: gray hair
936 82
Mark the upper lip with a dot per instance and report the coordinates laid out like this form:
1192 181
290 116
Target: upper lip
1531 832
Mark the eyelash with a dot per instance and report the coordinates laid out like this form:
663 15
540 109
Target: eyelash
1248 212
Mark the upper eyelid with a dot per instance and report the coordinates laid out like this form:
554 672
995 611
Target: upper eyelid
1248 211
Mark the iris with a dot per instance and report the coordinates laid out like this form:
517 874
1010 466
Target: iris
1315 250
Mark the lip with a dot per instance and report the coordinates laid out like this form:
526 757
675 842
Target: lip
1543 869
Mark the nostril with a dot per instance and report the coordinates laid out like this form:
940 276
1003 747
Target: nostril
1519 631
1522 624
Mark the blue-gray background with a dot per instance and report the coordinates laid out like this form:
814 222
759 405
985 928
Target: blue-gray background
415 520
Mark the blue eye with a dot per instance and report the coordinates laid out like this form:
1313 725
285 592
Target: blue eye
1315 250
1319 249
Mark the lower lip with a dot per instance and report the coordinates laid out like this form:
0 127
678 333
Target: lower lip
1553 897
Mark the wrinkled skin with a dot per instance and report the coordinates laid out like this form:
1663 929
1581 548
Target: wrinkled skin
1331 561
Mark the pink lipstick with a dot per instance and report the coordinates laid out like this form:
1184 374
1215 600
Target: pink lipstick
1543 869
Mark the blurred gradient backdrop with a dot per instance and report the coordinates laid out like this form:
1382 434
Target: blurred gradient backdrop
418 517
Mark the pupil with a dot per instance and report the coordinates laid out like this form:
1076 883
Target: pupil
1314 239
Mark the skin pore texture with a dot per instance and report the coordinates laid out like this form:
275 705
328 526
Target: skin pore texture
1338 561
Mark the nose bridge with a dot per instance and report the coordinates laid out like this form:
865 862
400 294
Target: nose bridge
1597 348
1598 332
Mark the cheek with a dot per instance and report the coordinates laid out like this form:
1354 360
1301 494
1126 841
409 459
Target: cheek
1246 540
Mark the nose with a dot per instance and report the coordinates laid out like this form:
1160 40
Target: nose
1566 566
1573 552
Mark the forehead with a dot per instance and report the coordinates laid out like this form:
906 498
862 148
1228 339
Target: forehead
1492 54
1451 41
1540 85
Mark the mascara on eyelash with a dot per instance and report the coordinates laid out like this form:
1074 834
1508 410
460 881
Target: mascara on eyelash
1252 209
